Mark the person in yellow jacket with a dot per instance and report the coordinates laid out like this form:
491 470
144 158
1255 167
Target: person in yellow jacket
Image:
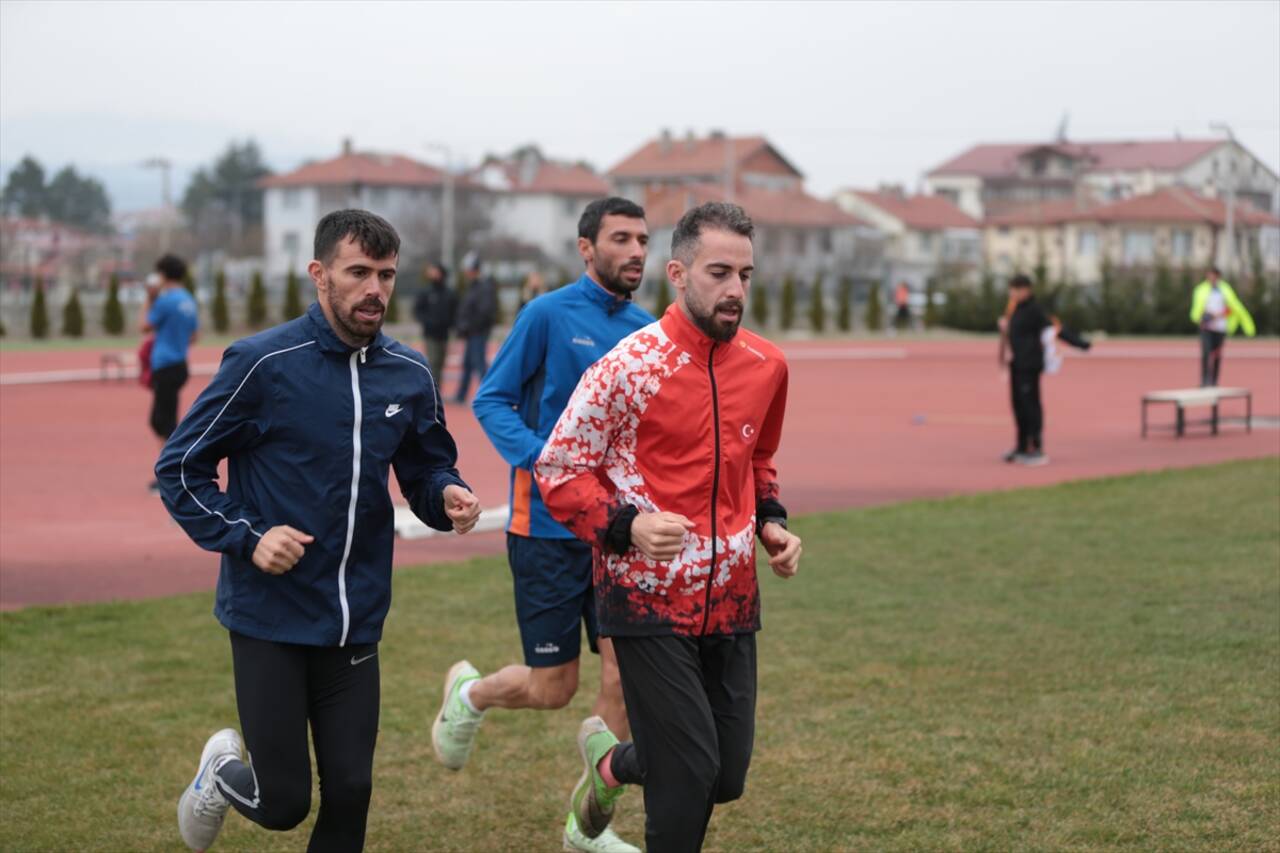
1219 312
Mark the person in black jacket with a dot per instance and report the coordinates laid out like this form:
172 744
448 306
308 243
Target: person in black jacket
477 314
1023 328
309 417
434 309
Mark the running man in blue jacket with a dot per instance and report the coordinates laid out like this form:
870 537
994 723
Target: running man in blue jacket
556 337
309 416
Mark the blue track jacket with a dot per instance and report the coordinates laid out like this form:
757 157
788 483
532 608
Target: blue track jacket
556 337
309 426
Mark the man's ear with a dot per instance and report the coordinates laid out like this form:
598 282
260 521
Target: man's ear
586 250
315 269
676 272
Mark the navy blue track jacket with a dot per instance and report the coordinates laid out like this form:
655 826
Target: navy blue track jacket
309 427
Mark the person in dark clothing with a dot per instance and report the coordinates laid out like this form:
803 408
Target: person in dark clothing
434 309
477 313
1024 327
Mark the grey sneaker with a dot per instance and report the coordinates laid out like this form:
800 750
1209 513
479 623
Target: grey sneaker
1032 459
606 842
202 808
454 731
592 801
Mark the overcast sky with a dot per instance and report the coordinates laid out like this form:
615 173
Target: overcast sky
853 93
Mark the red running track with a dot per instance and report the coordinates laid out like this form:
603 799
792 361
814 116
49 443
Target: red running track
868 422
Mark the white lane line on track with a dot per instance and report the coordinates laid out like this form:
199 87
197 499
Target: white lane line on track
89 374
408 526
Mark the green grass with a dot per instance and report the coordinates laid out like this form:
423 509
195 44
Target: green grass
1091 666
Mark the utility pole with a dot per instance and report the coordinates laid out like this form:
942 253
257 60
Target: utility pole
1229 259
447 206
164 165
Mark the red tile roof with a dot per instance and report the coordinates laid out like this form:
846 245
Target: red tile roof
1042 212
360 168
919 212
554 177
791 208
1177 204
684 157
991 161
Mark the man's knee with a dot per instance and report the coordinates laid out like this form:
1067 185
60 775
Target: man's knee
553 687
285 809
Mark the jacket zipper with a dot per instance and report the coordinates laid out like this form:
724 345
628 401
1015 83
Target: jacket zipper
715 482
355 492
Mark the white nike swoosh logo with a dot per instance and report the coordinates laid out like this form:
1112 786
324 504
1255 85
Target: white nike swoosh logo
355 660
393 409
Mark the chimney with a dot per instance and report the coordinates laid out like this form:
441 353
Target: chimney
690 141
717 134
529 161
664 141
346 146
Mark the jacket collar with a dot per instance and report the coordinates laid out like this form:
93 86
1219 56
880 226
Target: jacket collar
329 340
597 295
680 329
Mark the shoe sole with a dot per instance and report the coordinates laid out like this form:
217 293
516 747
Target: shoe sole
439 721
206 755
590 726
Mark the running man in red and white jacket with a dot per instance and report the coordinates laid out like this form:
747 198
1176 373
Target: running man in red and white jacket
663 461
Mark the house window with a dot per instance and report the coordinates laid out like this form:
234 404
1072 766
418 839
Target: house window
291 198
1181 248
1138 247
1087 243
377 196
926 241
290 245
1003 230
824 240
570 206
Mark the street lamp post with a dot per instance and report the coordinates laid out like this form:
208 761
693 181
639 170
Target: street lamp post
447 206
164 165
1229 258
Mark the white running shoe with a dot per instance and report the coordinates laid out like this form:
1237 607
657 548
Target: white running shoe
454 731
607 841
202 808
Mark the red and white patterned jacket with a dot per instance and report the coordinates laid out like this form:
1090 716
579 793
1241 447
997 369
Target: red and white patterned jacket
671 420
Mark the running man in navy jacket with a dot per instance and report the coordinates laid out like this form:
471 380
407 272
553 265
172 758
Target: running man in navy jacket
556 337
309 416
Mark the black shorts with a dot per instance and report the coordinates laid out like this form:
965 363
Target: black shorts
554 598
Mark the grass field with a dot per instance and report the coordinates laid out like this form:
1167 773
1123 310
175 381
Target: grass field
1085 667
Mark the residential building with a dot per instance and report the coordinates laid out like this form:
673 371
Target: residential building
1172 225
536 206
413 196
925 235
796 233
991 180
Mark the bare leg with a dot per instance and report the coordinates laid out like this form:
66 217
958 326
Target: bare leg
609 704
518 686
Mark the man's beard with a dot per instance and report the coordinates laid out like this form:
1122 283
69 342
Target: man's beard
717 330
612 280
355 328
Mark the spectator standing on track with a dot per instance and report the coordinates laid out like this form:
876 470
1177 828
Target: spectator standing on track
553 341
1218 312
309 416
1023 326
902 299
477 313
172 319
435 308
663 461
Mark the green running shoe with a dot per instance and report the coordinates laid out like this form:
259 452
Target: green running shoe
454 730
606 842
592 801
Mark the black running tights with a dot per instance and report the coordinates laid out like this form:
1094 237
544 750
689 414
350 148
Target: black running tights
280 688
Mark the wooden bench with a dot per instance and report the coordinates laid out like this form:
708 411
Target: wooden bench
1191 398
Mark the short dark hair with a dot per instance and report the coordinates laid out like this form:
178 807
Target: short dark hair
172 267
373 234
1215 271
719 215
1020 280
593 216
